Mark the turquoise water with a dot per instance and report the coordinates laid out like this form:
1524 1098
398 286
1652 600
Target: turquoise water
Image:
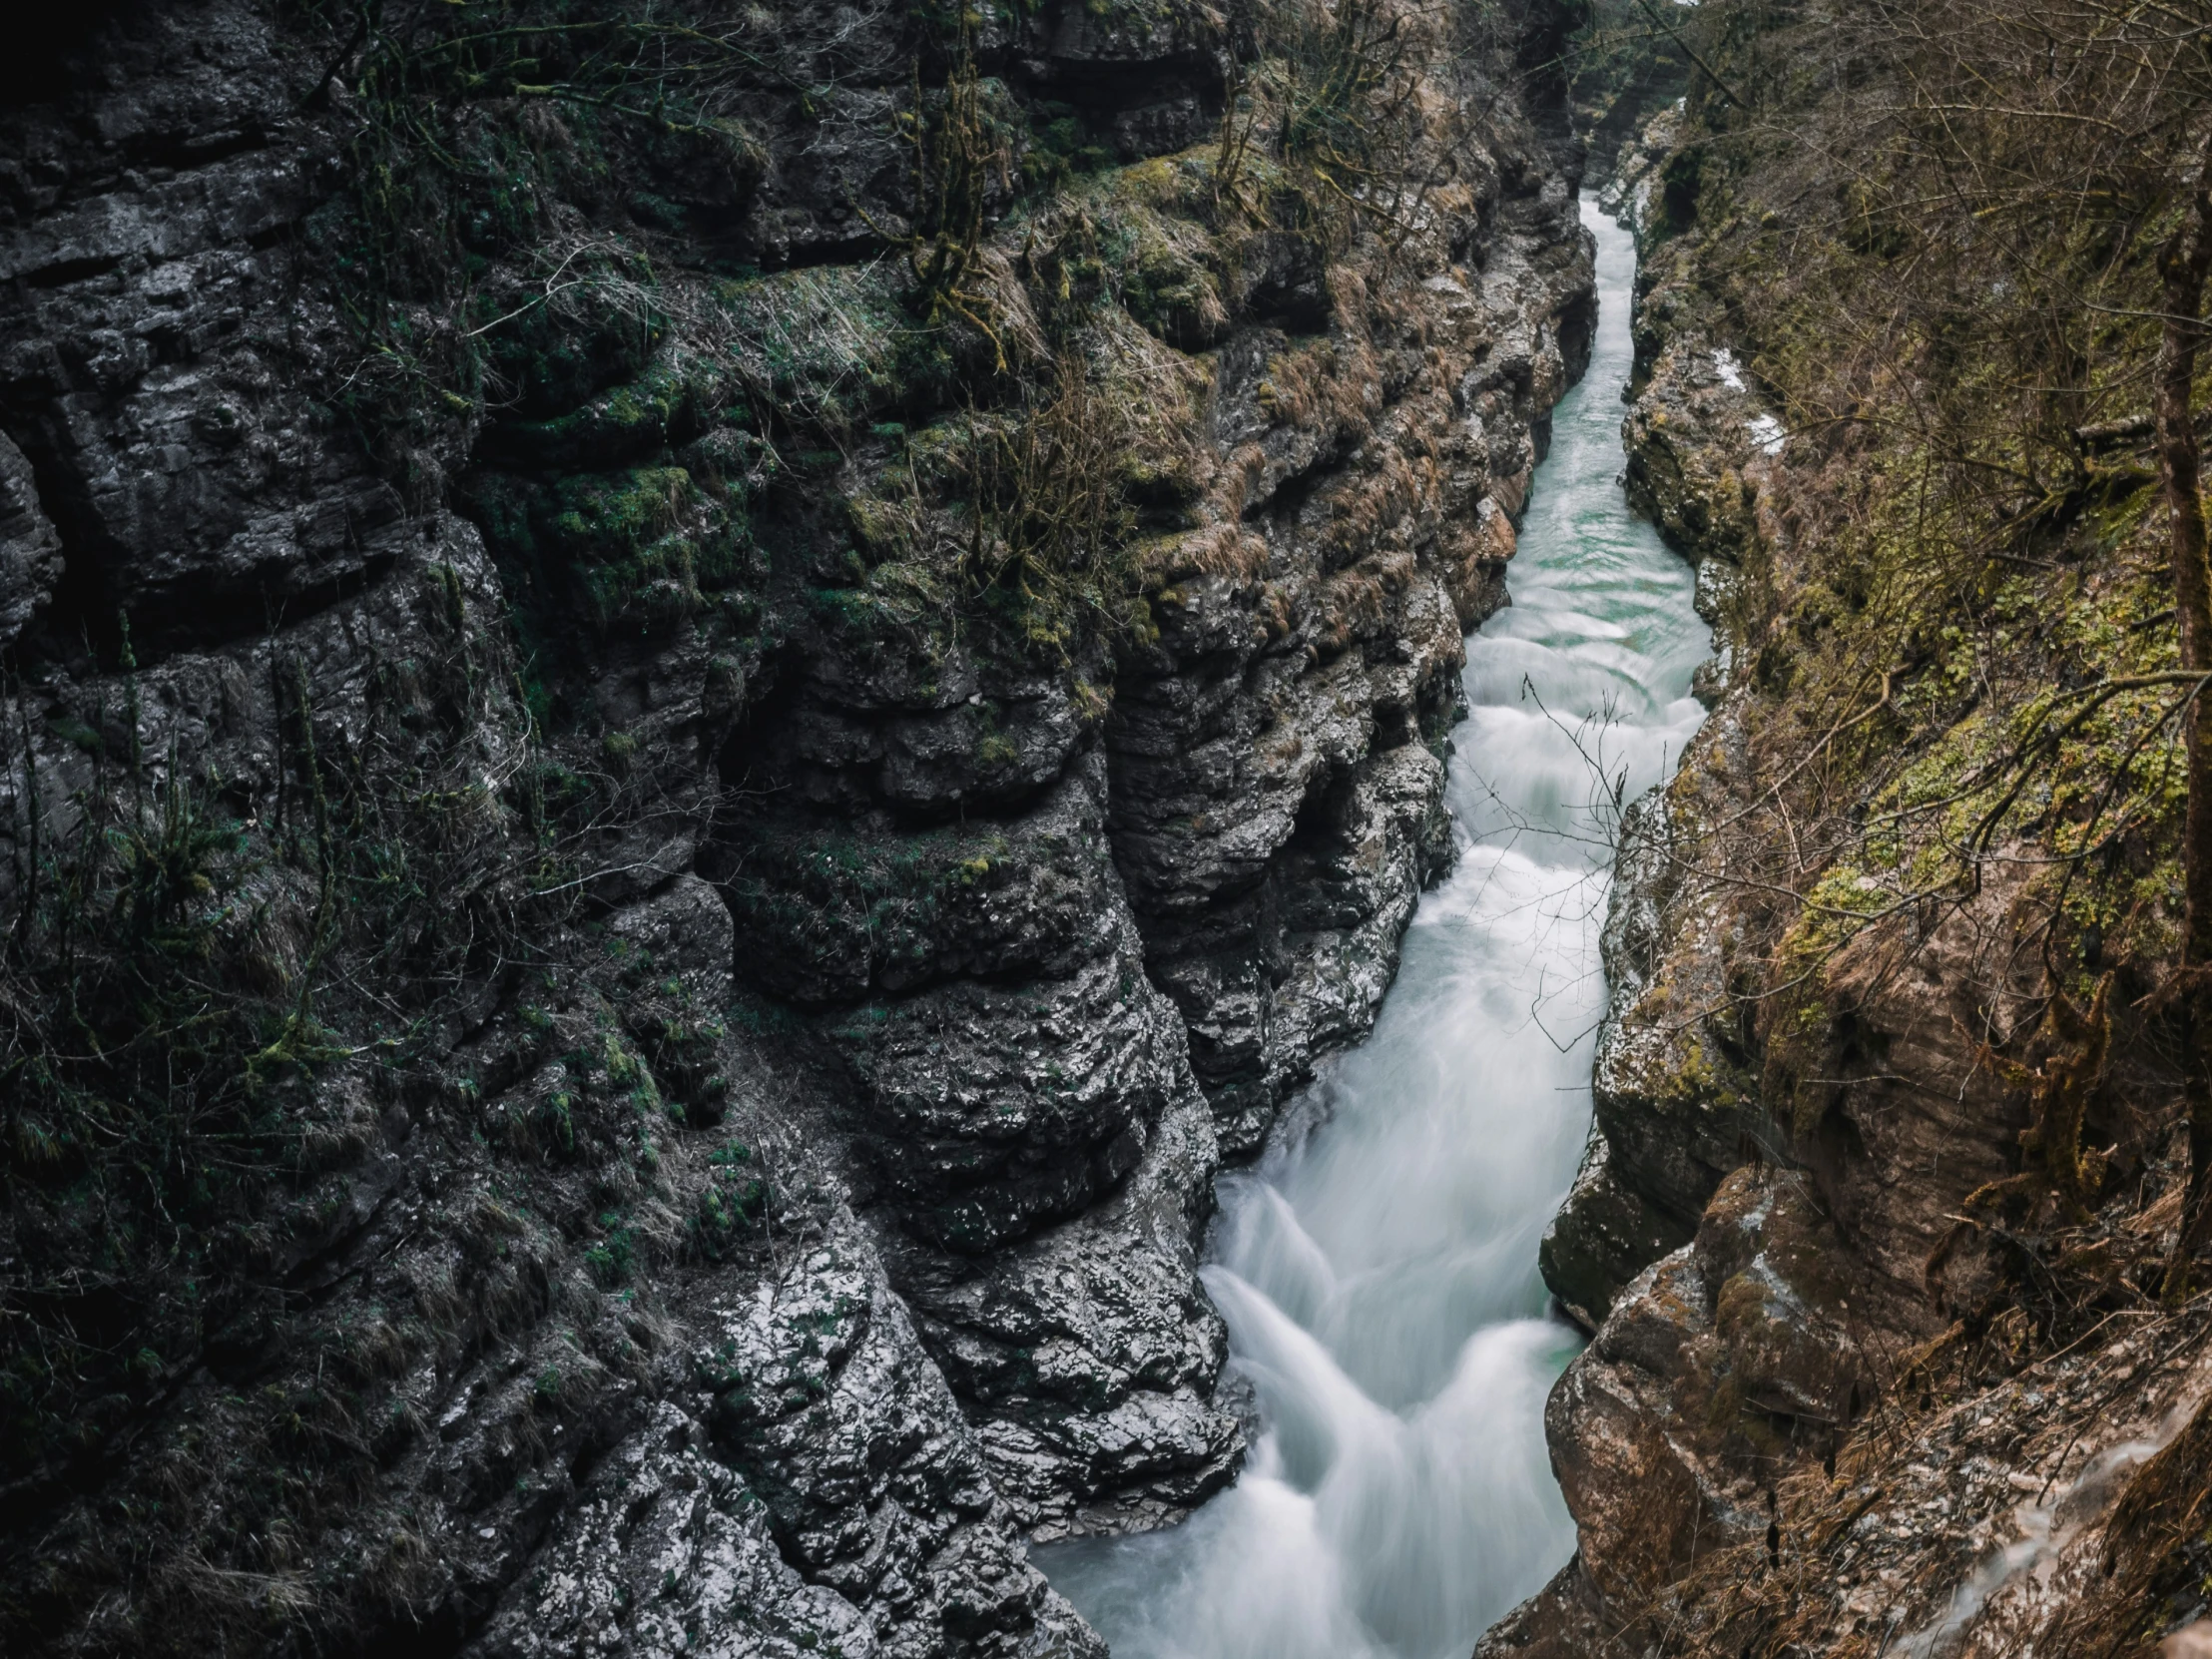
1377 1265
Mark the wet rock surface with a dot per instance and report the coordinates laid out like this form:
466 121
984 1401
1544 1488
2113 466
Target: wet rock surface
1275 785
1088 1357
744 1015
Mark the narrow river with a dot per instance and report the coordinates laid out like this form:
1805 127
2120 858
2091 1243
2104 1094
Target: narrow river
1377 1265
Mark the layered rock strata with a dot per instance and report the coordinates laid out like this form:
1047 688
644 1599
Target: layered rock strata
730 998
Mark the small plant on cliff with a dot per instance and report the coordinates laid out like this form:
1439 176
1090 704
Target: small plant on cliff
1051 522
470 122
957 153
1345 84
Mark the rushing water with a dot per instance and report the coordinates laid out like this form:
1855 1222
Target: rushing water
1378 1266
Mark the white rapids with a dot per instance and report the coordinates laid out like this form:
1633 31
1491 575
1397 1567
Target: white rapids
1377 1265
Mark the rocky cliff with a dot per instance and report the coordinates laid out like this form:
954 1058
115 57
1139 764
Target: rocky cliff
698 704
1873 1233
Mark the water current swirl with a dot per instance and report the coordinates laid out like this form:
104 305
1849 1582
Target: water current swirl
1377 1266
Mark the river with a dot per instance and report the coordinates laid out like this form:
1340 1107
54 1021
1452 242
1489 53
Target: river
1378 1265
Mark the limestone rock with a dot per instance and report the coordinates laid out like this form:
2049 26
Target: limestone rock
759 1176
30 546
1602 1237
1712 1365
872 1483
1089 1355
987 1111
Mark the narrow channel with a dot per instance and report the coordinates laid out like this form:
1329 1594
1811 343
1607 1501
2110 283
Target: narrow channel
1378 1265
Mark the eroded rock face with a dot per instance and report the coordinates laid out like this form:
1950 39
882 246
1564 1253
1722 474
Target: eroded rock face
831 1498
757 1035
1711 1362
1808 1420
1276 799
1721 1369
1088 1357
152 359
30 547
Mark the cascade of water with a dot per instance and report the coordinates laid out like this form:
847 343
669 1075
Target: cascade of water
1377 1267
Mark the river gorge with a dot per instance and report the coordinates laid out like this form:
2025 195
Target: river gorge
1377 1265
1182 829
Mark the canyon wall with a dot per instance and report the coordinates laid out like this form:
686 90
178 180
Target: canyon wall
1859 1381
697 704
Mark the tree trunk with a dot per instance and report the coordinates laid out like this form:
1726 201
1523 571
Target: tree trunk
2185 263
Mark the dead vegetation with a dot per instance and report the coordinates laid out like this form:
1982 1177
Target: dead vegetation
1968 1431
1964 680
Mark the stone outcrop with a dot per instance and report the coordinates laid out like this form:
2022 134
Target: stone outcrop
1820 1413
1277 792
727 1000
